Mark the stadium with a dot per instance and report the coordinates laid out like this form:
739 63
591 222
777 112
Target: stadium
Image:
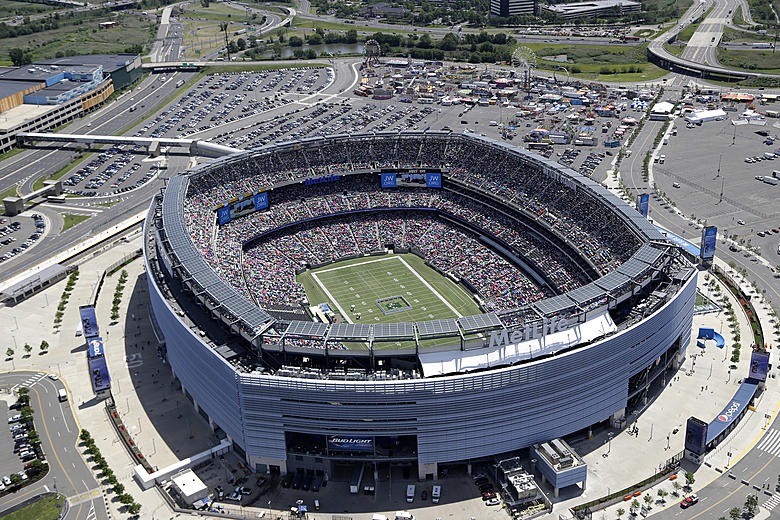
420 299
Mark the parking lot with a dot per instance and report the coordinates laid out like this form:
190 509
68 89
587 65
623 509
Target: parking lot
20 233
727 194
14 446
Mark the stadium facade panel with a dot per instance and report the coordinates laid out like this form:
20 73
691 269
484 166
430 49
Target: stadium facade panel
286 422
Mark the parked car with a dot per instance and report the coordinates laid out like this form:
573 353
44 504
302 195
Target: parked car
689 501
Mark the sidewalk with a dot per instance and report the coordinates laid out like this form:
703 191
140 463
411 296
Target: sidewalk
701 388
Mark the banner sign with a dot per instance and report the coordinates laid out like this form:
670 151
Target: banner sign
644 204
708 237
89 321
350 443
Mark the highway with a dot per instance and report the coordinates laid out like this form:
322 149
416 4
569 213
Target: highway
58 431
24 168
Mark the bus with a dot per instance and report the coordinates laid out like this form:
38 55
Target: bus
179 83
60 199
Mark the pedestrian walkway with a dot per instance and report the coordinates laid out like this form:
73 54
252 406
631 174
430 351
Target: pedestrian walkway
770 504
771 442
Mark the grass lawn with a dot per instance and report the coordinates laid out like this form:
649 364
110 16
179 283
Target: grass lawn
734 35
9 192
387 289
11 7
72 220
764 61
81 35
43 509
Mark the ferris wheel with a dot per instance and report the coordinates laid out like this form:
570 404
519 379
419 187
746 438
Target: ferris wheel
371 52
524 59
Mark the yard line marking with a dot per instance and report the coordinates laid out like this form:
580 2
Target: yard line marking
329 295
428 286
384 259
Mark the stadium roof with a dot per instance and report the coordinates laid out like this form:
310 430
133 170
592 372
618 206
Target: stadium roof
438 327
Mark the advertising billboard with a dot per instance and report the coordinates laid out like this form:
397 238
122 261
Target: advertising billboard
708 237
759 365
223 215
388 180
261 201
643 205
89 321
696 436
350 443
95 347
433 180
98 374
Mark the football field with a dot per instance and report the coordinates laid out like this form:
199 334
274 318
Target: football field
390 288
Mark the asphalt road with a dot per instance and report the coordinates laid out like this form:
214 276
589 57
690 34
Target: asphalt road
24 168
58 431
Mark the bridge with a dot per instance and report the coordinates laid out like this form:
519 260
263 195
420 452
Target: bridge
659 56
153 144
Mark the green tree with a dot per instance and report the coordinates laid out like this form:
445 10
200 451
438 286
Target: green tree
635 504
689 479
662 495
295 41
16 479
351 37
119 488
735 513
27 348
205 3
241 44
19 56
449 42
126 498
621 512
44 346
84 435
9 352
134 508
314 39
648 500
751 504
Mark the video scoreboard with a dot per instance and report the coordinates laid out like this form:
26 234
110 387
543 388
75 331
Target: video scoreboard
241 206
411 178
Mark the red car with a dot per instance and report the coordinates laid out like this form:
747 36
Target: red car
689 501
488 495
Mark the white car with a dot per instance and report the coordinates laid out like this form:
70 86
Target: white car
493 501
53 377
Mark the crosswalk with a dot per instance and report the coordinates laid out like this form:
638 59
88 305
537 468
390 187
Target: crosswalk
771 442
34 378
770 504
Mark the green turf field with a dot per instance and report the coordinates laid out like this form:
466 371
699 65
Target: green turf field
390 288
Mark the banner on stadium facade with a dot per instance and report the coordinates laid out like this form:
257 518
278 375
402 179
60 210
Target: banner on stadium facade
759 365
644 204
350 443
709 236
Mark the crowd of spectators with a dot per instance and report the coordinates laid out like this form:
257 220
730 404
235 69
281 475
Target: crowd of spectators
266 271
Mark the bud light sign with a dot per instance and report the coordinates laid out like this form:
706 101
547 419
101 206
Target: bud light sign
350 443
